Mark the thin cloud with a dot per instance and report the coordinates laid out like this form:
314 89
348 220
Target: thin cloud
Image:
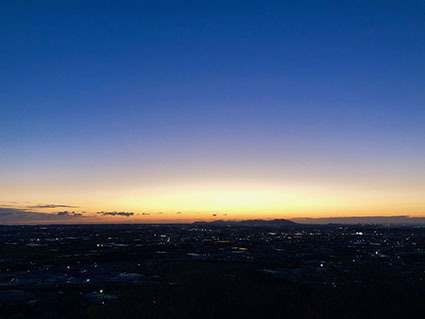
126 214
66 213
17 216
51 206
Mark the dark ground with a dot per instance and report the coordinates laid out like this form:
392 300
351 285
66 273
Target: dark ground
208 271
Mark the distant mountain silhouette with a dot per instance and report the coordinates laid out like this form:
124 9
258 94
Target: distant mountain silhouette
379 220
249 222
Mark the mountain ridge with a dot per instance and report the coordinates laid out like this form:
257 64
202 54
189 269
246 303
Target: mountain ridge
249 222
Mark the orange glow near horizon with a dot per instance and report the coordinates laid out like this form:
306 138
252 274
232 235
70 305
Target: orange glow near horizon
232 201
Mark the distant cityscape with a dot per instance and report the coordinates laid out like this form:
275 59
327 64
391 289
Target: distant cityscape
210 270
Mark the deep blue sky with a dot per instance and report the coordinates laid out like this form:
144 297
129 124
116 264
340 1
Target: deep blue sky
125 87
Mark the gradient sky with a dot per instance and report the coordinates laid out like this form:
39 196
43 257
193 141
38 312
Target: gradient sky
239 109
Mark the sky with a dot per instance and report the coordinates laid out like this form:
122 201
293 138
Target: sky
168 111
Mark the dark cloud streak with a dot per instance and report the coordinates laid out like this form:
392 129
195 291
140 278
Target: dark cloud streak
18 216
126 214
66 213
51 206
